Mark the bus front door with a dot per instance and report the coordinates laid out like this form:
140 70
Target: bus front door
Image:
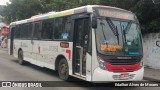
80 46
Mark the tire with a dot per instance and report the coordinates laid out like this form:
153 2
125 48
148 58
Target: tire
63 70
20 58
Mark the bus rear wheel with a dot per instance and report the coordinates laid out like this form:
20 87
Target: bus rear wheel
20 58
63 70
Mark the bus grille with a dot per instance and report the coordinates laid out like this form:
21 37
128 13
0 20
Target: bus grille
122 68
123 62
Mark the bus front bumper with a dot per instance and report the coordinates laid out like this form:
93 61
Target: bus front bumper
100 75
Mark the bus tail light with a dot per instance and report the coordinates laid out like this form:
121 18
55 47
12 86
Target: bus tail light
102 63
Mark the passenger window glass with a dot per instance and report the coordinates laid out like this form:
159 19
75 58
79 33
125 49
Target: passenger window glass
47 29
62 28
37 30
17 31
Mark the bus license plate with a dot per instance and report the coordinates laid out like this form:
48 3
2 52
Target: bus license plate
123 76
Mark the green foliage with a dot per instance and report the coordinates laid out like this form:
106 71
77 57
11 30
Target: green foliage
148 15
147 12
58 5
21 9
125 4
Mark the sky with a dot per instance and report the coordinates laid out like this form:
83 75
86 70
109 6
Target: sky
3 2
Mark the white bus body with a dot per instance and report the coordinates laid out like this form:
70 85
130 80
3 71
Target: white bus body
79 50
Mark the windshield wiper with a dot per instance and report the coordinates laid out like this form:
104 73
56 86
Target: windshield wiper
102 24
125 30
127 27
113 28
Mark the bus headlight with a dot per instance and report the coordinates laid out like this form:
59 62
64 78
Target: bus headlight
141 65
102 64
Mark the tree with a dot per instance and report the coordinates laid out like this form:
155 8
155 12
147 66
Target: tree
125 4
22 9
147 12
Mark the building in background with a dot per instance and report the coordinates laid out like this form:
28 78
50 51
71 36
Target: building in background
4 30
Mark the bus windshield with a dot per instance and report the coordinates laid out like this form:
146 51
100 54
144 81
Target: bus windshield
117 37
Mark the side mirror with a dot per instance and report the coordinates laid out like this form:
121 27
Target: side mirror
94 22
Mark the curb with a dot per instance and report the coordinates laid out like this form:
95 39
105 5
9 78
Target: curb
150 79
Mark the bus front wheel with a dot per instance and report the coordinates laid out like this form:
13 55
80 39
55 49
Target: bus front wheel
63 70
20 58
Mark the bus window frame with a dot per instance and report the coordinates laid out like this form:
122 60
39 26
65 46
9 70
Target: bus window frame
70 31
47 20
39 31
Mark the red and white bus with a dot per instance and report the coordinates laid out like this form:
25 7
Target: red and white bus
93 43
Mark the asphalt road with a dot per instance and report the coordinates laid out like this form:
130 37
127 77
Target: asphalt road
10 70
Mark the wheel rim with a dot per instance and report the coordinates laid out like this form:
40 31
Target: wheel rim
63 69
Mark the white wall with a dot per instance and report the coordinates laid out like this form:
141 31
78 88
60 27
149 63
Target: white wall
152 50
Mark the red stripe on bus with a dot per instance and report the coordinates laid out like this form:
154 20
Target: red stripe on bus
69 54
122 68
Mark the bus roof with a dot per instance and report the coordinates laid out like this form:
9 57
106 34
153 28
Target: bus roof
87 8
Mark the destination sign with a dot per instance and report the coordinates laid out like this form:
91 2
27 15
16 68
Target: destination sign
115 13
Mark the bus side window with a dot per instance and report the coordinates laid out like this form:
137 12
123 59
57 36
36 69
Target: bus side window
30 31
58 28
62 28
24 33
47 29
66 29
37 30
17 31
